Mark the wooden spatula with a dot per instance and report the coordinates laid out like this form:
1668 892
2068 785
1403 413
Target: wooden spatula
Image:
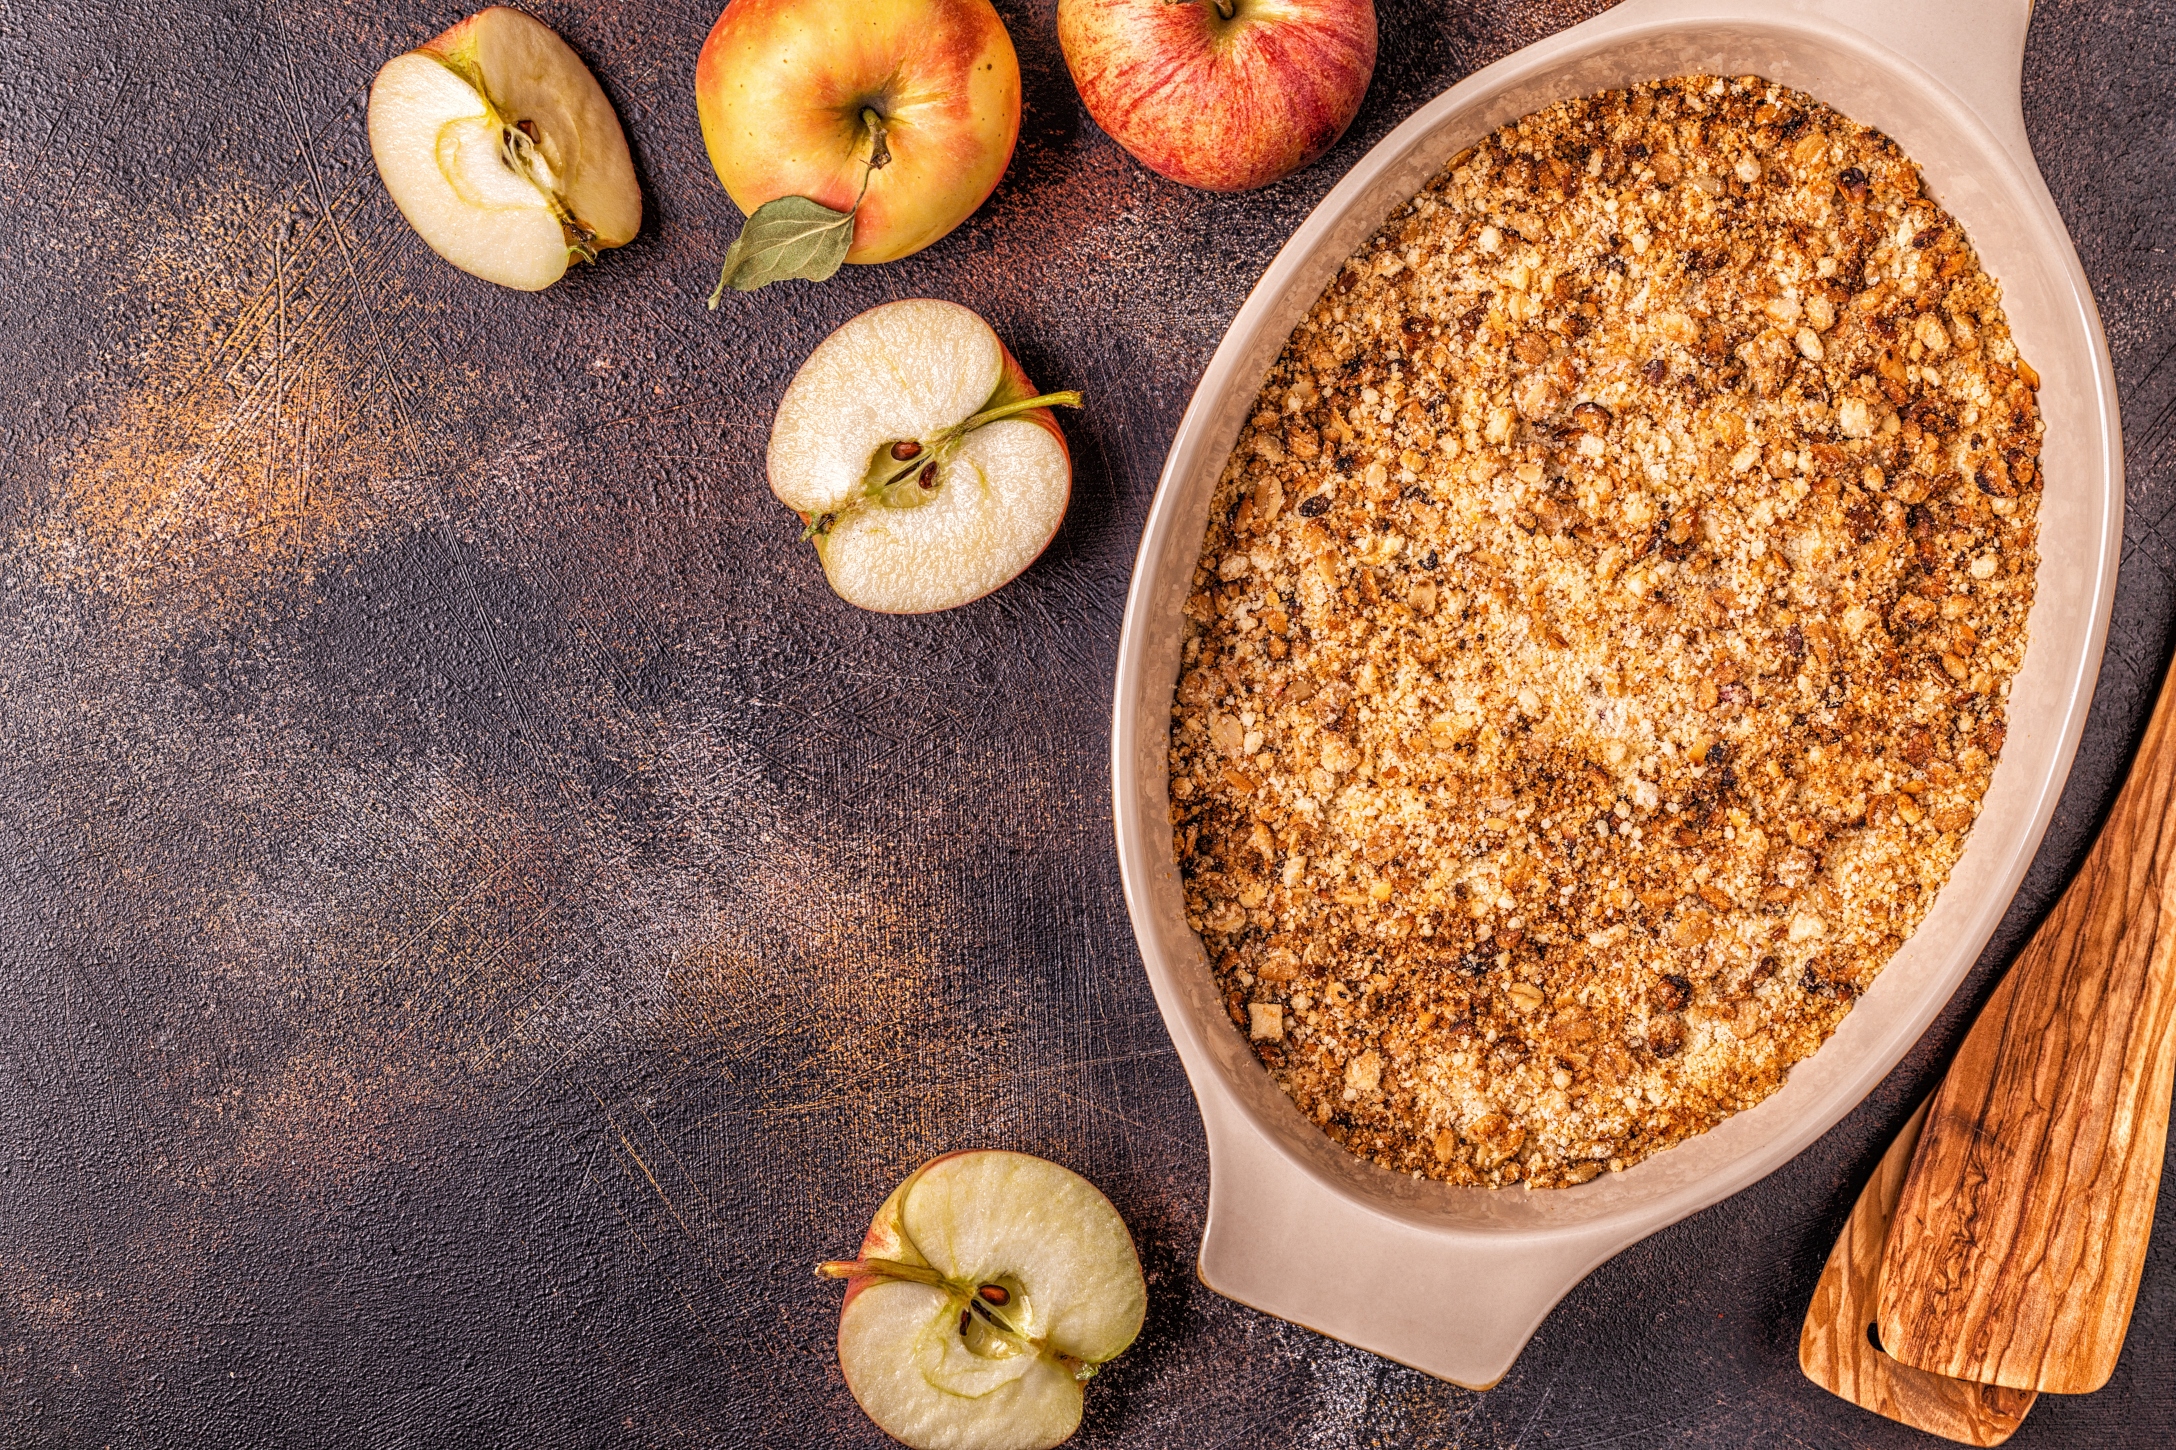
2015 1251
2004 1259
1836 1348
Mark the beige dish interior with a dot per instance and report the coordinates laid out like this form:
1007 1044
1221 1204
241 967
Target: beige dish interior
1453 1281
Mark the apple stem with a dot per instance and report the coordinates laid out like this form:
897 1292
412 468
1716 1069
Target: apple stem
880 149
1070 398
880 156
1225 8
880 1269
974 1300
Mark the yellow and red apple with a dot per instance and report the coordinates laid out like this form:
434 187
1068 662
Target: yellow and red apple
1225 95
788 90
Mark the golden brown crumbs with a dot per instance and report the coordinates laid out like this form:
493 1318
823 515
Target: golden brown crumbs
1598 652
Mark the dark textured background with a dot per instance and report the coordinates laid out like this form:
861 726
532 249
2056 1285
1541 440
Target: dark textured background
478 918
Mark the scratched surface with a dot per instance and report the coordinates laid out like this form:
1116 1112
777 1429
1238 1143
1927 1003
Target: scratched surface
478 918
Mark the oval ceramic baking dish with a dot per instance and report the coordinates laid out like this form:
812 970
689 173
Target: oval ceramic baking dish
1453 1281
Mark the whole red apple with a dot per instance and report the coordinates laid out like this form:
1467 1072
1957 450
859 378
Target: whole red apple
1225 95
795 95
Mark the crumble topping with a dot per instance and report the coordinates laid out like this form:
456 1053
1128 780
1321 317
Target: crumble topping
1597 655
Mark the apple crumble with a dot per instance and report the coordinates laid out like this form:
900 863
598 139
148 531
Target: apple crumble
1598 651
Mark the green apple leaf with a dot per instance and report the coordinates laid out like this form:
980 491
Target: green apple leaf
784 239
795 237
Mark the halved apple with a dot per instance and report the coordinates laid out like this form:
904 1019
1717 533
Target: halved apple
500 149
990 1287
925 465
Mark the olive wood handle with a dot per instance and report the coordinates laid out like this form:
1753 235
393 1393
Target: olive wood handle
1836 1348
2021 1231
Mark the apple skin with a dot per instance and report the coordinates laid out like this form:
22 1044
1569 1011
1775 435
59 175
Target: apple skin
1013 385
1216 102
1016 386
780 86
886 1239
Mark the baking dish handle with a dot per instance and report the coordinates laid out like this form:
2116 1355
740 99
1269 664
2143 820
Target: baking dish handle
1458 1305
1974 47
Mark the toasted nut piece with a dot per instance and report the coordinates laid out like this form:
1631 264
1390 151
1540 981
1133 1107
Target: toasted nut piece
1593 417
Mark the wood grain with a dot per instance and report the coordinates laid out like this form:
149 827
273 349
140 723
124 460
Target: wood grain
2021 1231
1836 1350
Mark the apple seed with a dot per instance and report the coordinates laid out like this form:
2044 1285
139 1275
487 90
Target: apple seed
905 449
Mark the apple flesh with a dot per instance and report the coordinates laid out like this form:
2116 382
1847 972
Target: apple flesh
990 1286
1225 95
500 149
921 459
786 90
